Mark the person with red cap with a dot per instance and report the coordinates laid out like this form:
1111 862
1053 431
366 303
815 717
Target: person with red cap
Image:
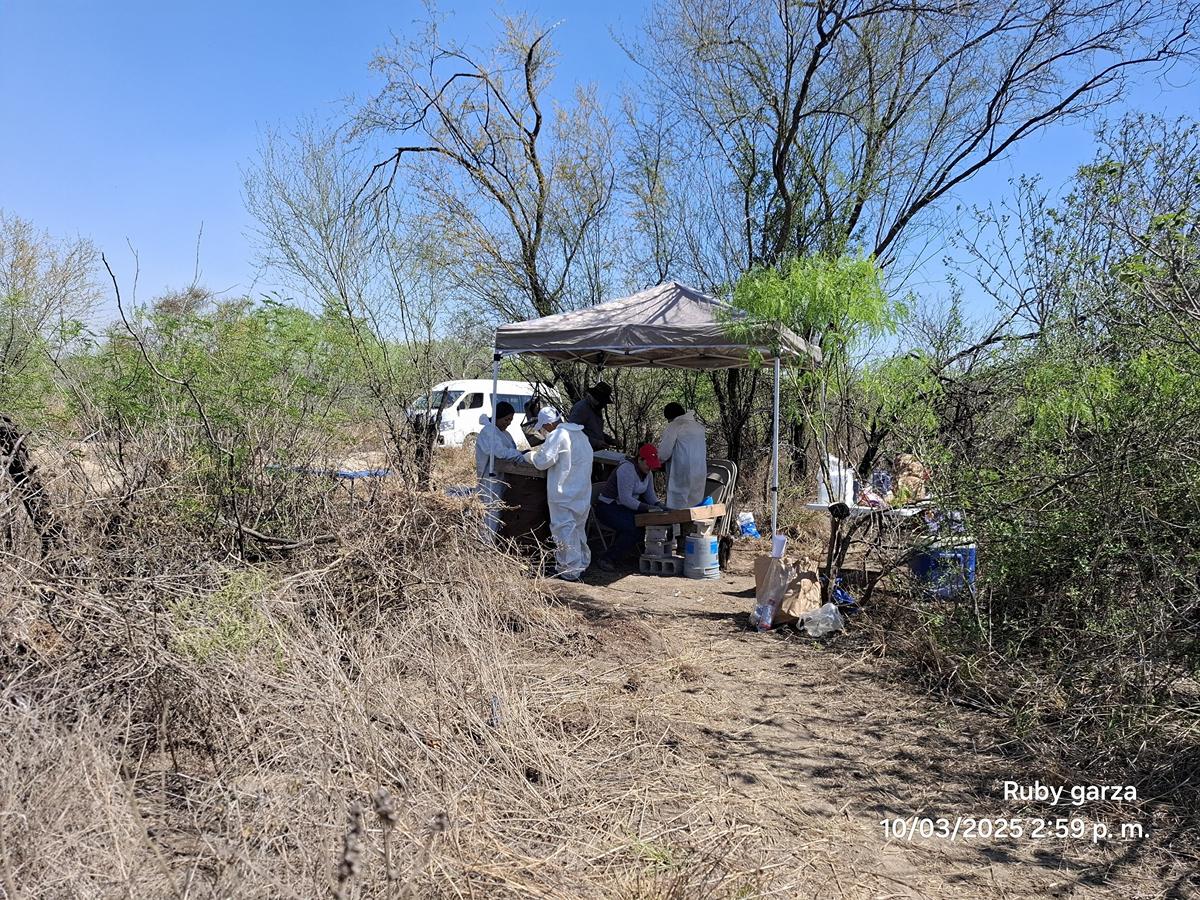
628 491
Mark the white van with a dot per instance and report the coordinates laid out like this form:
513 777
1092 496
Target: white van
464 402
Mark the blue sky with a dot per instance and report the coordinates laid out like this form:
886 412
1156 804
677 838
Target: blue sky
131 121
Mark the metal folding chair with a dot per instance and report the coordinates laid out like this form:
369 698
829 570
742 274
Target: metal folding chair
595 529
721 485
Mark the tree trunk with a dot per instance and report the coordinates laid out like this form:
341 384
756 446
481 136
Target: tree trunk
725 387
28 485
799 442
425 434
735 399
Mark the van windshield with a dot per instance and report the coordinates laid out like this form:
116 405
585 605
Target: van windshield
437 399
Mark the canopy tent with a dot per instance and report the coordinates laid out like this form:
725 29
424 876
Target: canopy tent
669 326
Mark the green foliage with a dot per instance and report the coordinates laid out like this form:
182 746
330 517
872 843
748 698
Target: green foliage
26 377
1060 397
1092 508
237 367
46 290
1075 457
1086 487
836 299
902 389
226 622
838 303
30 349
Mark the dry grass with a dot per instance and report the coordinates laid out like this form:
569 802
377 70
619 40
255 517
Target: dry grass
397 714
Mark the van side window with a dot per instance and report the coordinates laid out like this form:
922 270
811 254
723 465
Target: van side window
517 401
472 401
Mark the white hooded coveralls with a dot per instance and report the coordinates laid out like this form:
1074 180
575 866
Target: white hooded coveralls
683 445
566 458
492 441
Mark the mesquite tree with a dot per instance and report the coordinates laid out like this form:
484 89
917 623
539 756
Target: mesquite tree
816 128
515 193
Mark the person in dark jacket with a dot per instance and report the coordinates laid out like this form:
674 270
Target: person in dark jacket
589 412
628 491
529 427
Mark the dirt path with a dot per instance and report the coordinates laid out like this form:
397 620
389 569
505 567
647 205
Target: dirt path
822 744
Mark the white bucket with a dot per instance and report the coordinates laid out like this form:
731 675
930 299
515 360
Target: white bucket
700 557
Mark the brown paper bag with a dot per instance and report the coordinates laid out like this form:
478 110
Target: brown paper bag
791 589
804 591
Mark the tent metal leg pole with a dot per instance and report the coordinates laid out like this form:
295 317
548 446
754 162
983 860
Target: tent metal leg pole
775 459
495 403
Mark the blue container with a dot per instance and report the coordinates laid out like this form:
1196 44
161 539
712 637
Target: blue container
945 572
700 556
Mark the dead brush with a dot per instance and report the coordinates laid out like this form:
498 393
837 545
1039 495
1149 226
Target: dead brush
1098 715
348 864
242 706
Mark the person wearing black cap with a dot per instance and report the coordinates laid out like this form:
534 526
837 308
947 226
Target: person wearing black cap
529 427
589 412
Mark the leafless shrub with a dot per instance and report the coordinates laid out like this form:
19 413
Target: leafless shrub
181 723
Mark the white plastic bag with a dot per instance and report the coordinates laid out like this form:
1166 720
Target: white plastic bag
825 620
835 483
746 525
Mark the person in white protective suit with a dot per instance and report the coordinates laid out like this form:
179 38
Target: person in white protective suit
684 448
494 444
566 458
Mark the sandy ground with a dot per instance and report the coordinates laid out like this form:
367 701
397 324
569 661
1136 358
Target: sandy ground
819 741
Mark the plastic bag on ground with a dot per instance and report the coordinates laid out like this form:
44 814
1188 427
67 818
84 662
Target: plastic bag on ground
842 598
784 591
746 525
825 620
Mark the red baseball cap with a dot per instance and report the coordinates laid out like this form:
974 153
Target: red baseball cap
648 453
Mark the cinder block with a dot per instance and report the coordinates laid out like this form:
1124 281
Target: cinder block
661 565
658 534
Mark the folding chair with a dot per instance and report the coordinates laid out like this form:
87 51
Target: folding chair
595 528
721 485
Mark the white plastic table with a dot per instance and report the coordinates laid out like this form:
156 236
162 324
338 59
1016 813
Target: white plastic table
890 534
890 512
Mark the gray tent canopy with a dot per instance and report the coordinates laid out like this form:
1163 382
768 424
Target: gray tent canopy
669 326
